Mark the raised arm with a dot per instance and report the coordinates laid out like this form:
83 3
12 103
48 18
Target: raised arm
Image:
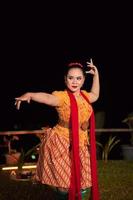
39 97
95 89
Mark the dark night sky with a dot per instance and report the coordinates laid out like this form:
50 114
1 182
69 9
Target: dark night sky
37 41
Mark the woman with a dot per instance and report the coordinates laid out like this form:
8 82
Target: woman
65 153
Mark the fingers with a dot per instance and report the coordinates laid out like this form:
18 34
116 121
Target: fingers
17 103
28 100
90 63
91 60
18 100
91 67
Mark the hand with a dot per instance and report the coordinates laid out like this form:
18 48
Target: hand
25 97
92 68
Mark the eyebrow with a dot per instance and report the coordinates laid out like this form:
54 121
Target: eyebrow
74 76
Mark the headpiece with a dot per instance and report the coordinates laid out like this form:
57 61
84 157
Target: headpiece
77 64
74 64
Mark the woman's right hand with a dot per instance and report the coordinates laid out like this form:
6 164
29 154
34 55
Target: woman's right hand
25 97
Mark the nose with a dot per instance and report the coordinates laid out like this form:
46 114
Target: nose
74 80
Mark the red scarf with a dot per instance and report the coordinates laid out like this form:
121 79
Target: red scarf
75 185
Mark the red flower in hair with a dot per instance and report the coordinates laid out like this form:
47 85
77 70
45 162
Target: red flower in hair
74 64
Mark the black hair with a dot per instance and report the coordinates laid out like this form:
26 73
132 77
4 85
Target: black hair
74 65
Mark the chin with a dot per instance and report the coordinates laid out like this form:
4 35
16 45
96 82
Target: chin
73 90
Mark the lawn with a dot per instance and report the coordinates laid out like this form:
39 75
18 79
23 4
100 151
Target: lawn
115 183
116 180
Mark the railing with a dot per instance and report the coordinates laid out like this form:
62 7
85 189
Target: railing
40 131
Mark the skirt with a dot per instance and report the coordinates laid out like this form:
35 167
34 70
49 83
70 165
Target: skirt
54 162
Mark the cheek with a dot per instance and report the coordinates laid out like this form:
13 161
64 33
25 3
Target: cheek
81 82
68 82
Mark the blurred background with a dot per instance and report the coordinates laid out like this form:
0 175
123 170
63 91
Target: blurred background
37 41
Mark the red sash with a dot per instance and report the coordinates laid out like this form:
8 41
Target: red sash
75 185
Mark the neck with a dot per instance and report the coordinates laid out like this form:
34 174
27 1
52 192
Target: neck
77 93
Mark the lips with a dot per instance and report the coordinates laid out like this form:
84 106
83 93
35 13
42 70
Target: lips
74 87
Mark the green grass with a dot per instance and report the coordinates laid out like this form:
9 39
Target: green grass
116 180
115 183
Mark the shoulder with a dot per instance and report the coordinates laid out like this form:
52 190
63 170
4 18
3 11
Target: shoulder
59 93
87 94
62 95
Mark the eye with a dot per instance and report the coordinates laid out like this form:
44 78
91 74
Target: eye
79 78
70 77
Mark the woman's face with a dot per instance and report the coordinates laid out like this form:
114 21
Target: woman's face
74 80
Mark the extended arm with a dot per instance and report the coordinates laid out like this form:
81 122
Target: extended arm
95 89
39 97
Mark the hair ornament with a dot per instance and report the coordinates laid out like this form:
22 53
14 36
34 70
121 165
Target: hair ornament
74 64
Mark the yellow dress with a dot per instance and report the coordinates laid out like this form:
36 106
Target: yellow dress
54 163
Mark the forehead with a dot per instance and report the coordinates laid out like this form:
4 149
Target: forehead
75 71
